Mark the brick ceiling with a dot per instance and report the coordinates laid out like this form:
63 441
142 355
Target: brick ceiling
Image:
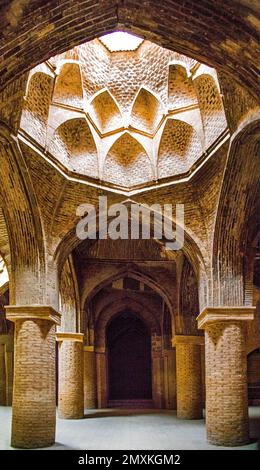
222 34
124 119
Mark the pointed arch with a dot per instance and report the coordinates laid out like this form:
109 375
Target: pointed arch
211 107
179 148
181 92
147 111
105 112
237 213
127 163
68 88
23 225
103 280
74 146
37 101
115 308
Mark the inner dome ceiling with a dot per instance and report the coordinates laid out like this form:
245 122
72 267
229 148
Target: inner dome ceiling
125 119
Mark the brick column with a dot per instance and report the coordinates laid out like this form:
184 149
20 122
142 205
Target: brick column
169 356
102 385
70 388
34 404
188 375
90 378
157 379
226 374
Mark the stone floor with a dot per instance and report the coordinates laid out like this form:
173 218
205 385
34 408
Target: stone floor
131 429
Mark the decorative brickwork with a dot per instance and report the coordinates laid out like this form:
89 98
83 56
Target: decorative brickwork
77 105
36 106
156 125
105 112
31 34
211 107
146 112
179 148
124 161
70 388
74 145
181 91
68 87
189 380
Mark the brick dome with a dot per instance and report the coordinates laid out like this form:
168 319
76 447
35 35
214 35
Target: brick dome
124 119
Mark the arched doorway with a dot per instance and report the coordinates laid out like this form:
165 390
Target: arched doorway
129 359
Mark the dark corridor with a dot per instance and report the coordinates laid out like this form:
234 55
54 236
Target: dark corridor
129 358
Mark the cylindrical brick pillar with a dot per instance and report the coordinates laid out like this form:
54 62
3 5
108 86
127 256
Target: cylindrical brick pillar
34 407
70 373
226 374
90 378
188 375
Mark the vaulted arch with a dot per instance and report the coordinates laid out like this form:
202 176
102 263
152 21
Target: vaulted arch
179 148
23 225
181 92
105 112
211 107
68 88
108 313
127 163
236 206
37 101
74 146
147 111
183 34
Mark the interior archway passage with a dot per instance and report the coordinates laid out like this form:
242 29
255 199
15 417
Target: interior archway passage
129 358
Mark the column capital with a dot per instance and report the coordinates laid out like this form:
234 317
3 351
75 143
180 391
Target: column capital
188 339
32 312
222 314
70 337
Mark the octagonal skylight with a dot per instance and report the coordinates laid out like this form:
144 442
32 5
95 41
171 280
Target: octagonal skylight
121 41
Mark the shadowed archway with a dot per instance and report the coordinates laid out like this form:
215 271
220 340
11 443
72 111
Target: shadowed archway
129 358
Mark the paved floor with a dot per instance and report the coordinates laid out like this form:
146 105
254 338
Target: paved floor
131 429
